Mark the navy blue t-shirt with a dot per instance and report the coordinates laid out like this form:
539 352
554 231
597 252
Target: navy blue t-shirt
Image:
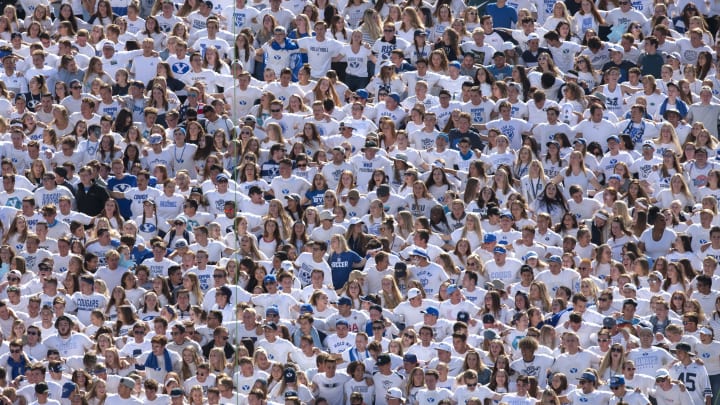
341 265
316 197
121 186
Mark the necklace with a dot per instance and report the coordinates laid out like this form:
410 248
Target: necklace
181 160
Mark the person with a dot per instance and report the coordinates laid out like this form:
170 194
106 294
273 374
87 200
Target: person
621 394
406 156
693 375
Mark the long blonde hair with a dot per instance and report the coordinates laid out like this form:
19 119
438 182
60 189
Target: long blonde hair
394 298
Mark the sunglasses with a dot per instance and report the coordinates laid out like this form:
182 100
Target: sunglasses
616 350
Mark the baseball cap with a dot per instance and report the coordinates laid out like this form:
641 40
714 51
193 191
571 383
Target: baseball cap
270 325
410 358
420 252
270 278
344 301
609 322
412 293
155 139
587 376
42 388
616 381
685 347
382 360
431 311
445 346
272 309
395 393
128 382
289 375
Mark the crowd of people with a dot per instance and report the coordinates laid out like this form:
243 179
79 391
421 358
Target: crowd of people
318 202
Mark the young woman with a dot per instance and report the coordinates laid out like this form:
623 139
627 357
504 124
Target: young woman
420 201
502 187
587 18
533 182
387 79
678 190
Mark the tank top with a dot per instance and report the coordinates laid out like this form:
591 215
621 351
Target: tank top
613 99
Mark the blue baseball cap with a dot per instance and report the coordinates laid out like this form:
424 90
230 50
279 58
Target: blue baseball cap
272 309
270 278
431 311
500 249
156 139
587 376
420 252
555 259
344 301
489 238
616 381
613 138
